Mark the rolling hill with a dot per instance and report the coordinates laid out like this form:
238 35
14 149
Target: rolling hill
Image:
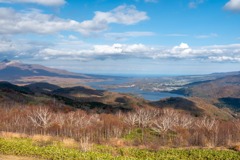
222 92
80 97
99 101
195 106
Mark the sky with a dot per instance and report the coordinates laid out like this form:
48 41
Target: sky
154 37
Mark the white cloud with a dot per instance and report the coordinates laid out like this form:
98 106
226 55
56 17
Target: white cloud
34 21
72 49
194 4
72 37
175 35
115 51
233 5
20 48
182 48
127 15
98 52
39 2
126 35
225 58
213 53
229 46
205 36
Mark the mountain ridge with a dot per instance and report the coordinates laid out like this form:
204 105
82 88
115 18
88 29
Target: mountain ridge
100 101
17 67
20 73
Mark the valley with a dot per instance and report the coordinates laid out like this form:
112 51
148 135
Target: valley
82 114
110 94
119 80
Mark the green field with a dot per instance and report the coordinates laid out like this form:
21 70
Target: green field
56 151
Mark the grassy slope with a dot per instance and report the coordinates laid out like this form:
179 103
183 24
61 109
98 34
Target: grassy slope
55 151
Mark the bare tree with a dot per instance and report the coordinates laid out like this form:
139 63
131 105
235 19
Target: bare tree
60 119
185 121
141 118
167 121
207 123
82 120
131 119
41 117
164 123
210 128
146 116
237 124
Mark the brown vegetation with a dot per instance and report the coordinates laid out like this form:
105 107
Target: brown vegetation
152 128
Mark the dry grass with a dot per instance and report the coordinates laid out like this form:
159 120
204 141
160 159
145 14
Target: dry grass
66 142
12 135
85 145
42 138
70 143
116 142
236 147
9 157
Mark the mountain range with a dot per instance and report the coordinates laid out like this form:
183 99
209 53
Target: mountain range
20 73
29 84
99 101
221 92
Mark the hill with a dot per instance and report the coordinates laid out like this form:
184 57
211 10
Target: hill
80 97
193 105
42 87
10 93
222 92
100 101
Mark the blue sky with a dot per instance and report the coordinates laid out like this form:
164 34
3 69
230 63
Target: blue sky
123 36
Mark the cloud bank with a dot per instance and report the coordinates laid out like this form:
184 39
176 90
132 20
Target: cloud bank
34 21
73 49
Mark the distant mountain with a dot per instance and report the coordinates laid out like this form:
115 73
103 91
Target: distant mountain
223 92
20 73
12 70
223 74
228 86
